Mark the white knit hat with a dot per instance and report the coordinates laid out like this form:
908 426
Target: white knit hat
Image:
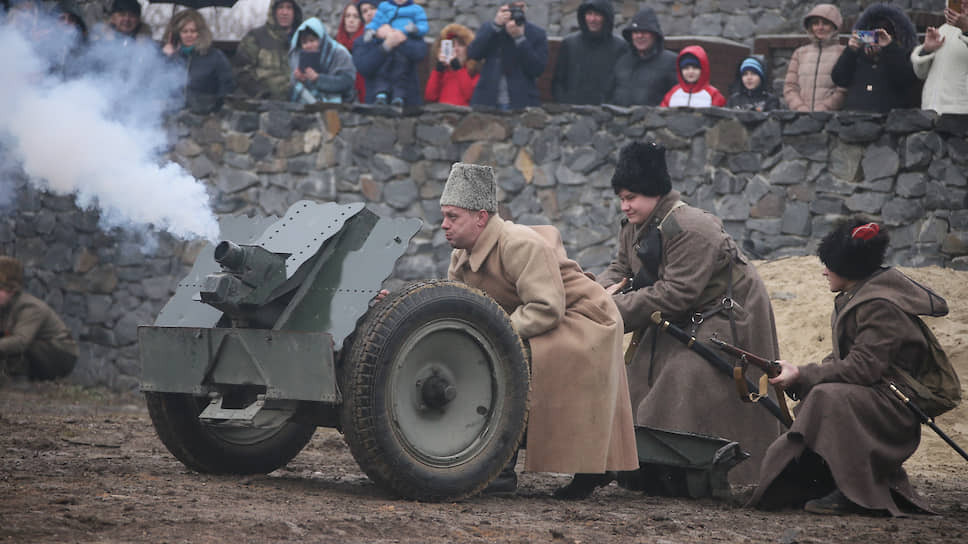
470 186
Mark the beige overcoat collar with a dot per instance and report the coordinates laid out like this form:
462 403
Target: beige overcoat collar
488 238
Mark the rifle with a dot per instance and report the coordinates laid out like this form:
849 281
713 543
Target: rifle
720 364
771 368
927 420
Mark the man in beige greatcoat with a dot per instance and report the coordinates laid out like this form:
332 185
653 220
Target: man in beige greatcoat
580 417
695 268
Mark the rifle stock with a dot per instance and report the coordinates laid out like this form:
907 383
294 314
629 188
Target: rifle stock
771 368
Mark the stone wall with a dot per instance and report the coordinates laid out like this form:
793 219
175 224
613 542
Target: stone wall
777 180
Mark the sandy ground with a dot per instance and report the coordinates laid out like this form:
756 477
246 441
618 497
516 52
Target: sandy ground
84 465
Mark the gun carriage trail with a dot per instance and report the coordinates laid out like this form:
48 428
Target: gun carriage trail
86 465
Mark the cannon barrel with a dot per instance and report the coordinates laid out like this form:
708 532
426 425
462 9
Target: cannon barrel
229 254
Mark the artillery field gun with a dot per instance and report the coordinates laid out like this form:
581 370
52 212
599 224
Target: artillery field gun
272 334
261 344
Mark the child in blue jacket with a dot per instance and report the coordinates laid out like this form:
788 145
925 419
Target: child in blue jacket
409 18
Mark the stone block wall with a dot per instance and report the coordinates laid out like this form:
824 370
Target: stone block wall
778 180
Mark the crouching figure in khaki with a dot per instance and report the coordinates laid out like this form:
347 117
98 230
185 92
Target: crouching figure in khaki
580 417
681 262
34 342
852 434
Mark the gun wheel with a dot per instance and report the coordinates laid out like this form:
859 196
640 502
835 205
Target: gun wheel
272 443
435 392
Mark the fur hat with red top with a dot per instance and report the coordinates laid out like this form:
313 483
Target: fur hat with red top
855 249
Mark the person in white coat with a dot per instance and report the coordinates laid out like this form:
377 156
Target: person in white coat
942 62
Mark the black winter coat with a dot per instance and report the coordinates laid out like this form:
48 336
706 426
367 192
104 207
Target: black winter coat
209 79
586 60
639 80
520 63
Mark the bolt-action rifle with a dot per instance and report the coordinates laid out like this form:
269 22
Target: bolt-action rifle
771 368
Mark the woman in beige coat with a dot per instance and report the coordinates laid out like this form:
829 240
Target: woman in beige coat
807 86
580 418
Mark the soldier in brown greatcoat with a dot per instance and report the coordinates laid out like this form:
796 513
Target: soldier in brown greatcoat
852 434
35 342
698 278
580 418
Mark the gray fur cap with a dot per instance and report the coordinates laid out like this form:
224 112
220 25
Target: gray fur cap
470 186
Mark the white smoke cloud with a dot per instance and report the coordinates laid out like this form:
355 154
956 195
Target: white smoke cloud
90 124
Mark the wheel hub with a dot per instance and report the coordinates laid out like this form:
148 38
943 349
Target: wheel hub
436 391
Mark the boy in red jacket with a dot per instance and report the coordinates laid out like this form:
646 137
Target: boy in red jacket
693 89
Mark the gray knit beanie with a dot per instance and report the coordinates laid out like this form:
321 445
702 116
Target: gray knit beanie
470 186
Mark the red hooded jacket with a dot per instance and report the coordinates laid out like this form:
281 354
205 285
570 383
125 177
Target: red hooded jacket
699 94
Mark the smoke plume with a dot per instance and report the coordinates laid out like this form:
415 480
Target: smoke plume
87 121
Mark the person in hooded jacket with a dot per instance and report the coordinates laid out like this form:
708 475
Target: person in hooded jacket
208 74
807 85
845 451
646 70
693 89
262 60
586 59
750 91
322 69
453 79
351 28
879 76
942 62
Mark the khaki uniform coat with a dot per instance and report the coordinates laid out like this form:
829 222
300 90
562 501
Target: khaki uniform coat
580 417
807 85
672 387
35 341
848 415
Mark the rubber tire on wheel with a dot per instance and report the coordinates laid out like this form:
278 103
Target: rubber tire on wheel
222 450
442 450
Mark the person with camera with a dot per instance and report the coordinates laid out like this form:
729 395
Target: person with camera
646 70
208 74
34 342
322 69
454 77
875 67
587 58
515 53
942 62
678 260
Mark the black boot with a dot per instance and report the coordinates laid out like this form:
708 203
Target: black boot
582 485
507 480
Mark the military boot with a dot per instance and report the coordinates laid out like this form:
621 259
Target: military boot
583 485
835 504
507 480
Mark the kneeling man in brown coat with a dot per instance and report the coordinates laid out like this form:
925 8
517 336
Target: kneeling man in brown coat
580 416
34 342
844 453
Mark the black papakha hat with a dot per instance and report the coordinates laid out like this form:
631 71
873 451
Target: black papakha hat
642 169
854 249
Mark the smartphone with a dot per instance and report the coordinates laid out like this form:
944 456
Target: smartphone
866 36
310 59
954 5
447 48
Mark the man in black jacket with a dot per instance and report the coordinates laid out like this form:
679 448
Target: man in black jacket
646 71
515 52
587 58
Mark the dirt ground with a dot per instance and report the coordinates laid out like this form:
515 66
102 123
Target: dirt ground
85 465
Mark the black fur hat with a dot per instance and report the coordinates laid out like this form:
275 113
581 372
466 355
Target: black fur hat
642 169
854 249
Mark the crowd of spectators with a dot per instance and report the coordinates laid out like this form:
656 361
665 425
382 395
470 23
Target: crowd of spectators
380 49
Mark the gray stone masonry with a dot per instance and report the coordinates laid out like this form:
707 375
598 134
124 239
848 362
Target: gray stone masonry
779 180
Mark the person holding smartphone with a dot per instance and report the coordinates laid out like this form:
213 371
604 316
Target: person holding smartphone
208 74
942 62
877 73
322 69
454 76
